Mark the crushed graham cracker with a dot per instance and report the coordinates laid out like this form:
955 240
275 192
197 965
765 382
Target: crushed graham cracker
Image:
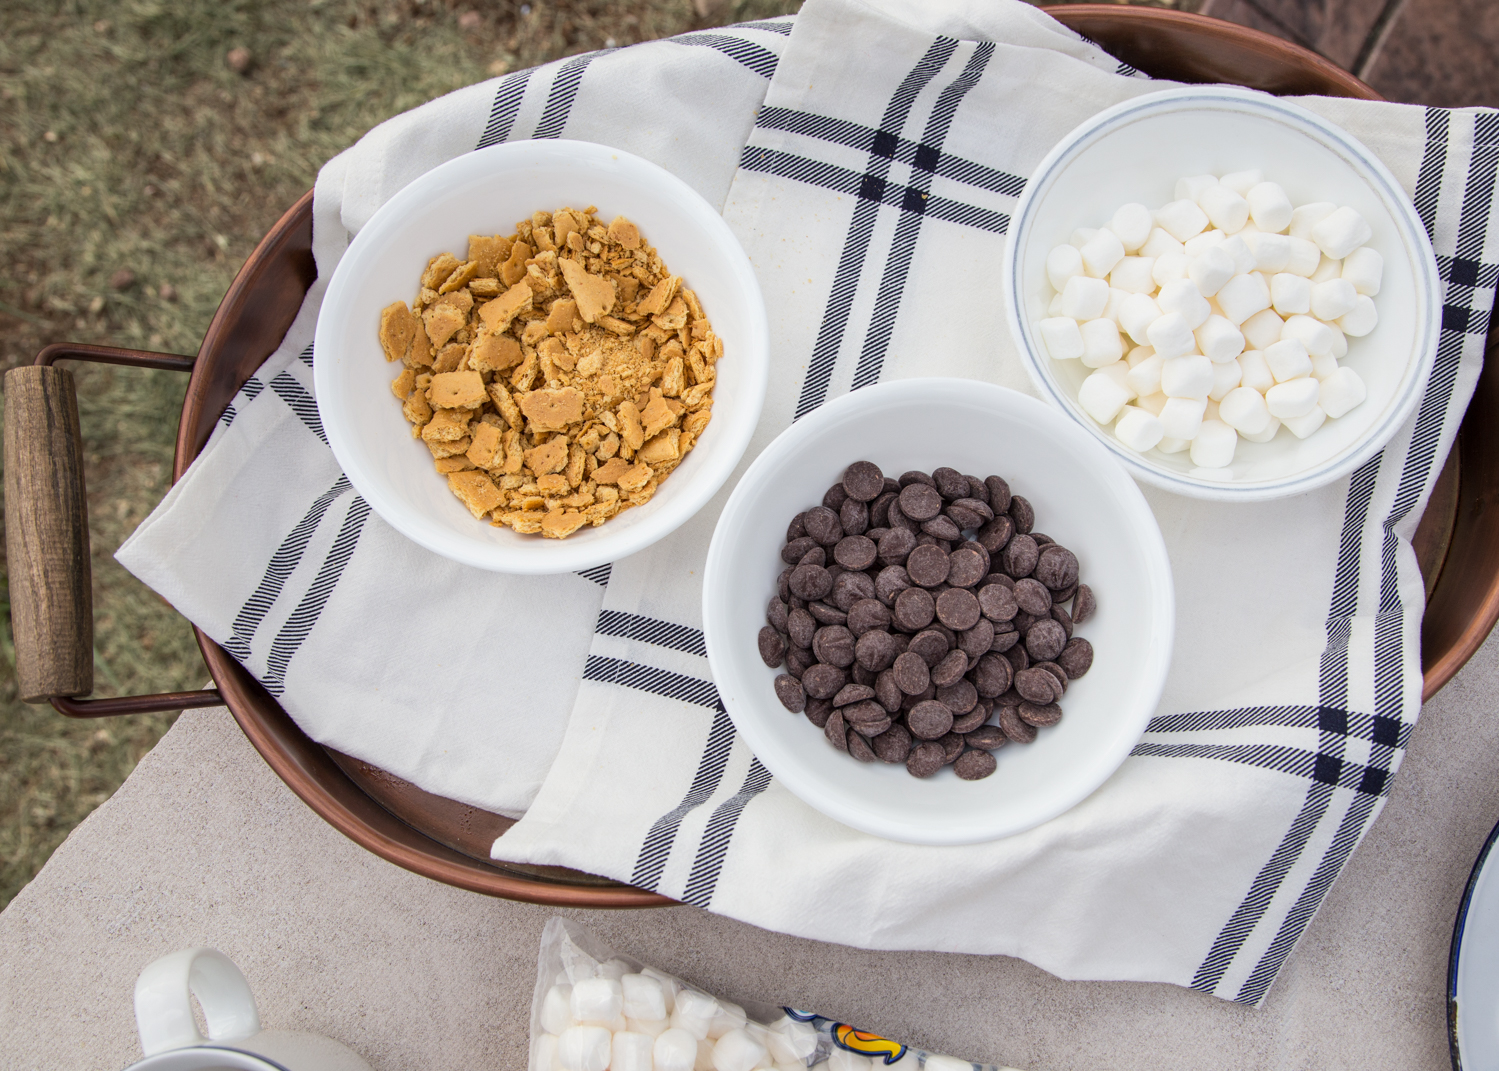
557 375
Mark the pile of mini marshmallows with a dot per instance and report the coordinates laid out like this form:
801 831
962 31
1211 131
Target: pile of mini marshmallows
1238 305
650 1022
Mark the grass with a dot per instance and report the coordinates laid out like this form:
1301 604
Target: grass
138 168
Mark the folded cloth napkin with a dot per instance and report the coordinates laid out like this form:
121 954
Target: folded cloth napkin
879 148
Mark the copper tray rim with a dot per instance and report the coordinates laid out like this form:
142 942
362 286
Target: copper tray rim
436 860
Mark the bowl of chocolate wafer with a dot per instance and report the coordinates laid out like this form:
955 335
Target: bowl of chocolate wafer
938 612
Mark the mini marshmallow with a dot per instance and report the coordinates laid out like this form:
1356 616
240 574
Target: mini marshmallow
669 985
1306 217
1307 423
1244 410
1364 268
1287 360
1101 253
1226 377
843 1060
1119 373
1361 319
1270 207
1339 342
613 968
1327 269
1207 239
1272 252
1340 392
1290 294
730 1017
1262 328
1211 410
544 1054
1138 430
1182 417
631 1052
1193 187
1083 298
1213 448
1305 257
1254 372
1169 267
1151 403
1054 306
1187 377
1238 252
1219 339
1081 237
585 1048
1241 182
1341 232
1062 337
1293 398
1323 367
557 1009
1101 343
1136 313
1242 297
1170 335
650 1027
674 1050
1172 446
1182 297
694 1012
1116 299
736 1051
1138 354
1333 298
790 1041
1181 219
704 1061
1315 335
1133 224
1145 377
1062 263
597 1000
1160 242
643 997
1102 397
1226 210
1210 269
1263 436
1134 274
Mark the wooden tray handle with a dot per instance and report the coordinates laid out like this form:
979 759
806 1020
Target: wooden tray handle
47 541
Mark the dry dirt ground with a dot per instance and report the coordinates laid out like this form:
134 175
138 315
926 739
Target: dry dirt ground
145 146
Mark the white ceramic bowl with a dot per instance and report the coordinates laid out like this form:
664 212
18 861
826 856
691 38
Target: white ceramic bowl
485 192
1082 500
1136 151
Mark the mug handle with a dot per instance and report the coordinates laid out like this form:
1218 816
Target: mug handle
163 1001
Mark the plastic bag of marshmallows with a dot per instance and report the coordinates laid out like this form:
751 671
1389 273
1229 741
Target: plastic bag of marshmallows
597 1011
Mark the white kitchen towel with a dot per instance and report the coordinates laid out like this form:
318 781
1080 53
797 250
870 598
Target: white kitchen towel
871 191
872 197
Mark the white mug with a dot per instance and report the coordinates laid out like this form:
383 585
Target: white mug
170 1038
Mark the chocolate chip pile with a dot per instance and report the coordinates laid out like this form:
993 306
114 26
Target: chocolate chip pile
915 610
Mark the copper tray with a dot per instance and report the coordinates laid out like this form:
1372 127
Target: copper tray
1457 543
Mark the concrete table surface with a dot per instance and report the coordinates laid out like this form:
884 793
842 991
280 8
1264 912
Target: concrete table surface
203 845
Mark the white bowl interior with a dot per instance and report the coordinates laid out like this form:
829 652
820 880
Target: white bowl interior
1142 150
1081 498
486 192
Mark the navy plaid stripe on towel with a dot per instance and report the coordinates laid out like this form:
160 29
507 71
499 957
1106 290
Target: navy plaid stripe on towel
868 164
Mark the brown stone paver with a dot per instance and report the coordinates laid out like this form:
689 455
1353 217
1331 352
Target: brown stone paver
1442 52
1336 28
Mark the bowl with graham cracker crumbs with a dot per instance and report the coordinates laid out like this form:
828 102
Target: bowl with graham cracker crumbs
541 356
